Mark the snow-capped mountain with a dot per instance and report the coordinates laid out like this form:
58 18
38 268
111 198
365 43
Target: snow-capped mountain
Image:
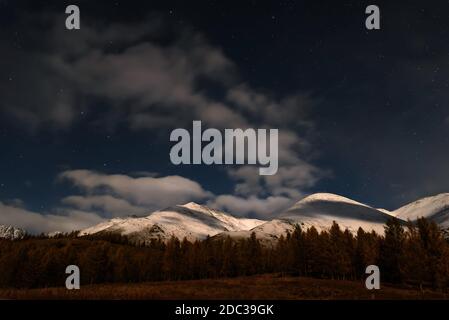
435 208
194 221
319 210
191 221
11 233
322 209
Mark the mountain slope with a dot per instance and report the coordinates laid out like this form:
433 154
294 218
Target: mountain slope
194 221
268 233
191 221
321 209
435 208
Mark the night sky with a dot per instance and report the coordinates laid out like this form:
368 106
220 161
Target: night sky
86 115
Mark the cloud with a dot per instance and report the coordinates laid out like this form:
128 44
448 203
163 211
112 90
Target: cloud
151 193
252 206
149 83
149 79
106 204
124 64
35 222
289 110
289 180
105 196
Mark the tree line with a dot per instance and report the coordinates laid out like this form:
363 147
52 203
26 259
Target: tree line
416 254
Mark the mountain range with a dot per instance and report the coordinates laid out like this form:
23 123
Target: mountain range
196 222
320 210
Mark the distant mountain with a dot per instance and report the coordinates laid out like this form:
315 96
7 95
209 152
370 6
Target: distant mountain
196 222
11 233
435 208
191 221
320 210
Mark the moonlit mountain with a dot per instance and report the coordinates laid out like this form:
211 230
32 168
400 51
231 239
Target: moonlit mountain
435 208
197 222
191 221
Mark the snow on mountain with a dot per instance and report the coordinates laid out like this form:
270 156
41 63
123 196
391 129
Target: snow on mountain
322 209
11 233
386 211
191 221
268 233
435 208
194 221
319 210
231 221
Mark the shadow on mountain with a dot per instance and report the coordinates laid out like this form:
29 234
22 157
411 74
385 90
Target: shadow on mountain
205 218
337 210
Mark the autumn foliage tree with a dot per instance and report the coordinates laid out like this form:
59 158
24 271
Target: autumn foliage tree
416 254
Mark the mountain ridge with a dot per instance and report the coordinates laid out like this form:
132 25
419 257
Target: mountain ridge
191 221
318 210
194 221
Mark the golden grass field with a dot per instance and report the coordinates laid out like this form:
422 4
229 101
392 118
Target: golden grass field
255 287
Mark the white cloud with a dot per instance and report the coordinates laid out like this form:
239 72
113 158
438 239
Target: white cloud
148 85
106 204
35 222
289 110
149 192
263 208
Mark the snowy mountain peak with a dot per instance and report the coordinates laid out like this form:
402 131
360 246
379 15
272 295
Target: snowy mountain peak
197 207
435 208
320 210
191 221
192 205
322 196
195 222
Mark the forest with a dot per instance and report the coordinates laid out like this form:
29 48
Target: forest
414 255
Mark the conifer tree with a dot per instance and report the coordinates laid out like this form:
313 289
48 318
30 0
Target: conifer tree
391 251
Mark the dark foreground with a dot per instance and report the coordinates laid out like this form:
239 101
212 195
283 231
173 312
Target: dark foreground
270 287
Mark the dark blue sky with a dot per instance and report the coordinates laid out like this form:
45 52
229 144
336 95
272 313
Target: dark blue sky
372 116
